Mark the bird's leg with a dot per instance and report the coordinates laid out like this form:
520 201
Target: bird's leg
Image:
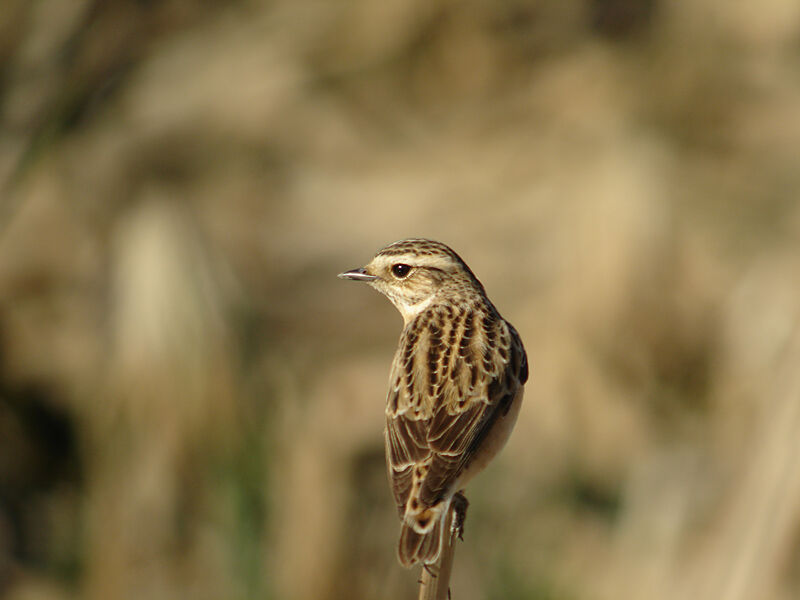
460 504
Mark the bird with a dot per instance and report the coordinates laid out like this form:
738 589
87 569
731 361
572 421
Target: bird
455 387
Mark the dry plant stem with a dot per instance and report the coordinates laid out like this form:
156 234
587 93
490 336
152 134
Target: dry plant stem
435 581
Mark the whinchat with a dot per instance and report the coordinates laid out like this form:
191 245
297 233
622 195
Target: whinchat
455 387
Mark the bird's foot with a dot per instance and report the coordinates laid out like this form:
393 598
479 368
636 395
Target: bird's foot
460 504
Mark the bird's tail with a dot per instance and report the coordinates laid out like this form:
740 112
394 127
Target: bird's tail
421 535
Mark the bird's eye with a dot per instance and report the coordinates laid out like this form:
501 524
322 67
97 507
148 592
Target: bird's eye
400 270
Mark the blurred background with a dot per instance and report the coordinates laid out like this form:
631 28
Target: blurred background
191 404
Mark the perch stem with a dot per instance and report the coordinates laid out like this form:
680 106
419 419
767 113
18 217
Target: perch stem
435 582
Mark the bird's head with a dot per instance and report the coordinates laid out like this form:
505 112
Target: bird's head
416 273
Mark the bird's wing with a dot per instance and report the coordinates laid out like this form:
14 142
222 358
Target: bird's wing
407 412
451 380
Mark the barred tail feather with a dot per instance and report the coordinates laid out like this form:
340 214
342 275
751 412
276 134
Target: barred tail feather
421 536
419 547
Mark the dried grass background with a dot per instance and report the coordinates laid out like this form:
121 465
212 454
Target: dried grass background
190 401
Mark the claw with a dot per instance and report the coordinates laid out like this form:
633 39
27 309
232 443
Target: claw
460 505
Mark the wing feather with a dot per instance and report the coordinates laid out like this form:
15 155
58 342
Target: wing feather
468 385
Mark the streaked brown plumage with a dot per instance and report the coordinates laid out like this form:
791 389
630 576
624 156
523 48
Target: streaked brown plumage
455 386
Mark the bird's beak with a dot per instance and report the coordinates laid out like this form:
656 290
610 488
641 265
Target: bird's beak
358 275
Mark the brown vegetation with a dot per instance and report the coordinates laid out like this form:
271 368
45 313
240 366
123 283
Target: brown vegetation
191 403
